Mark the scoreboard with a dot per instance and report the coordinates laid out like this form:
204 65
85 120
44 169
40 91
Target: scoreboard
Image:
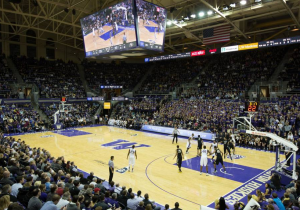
251 106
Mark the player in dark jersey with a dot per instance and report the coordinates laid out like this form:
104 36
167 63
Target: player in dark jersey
179 155
199 147
219 159
226 147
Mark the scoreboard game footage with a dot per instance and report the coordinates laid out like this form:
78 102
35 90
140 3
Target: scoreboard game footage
124 26
151 22
109 30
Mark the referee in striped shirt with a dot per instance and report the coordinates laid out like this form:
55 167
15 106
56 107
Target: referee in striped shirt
175 135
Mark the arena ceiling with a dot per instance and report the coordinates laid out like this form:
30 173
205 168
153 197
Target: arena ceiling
255 21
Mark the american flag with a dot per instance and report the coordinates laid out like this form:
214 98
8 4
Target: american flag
216 35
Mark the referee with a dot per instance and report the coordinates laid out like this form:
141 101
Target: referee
175 135
111 169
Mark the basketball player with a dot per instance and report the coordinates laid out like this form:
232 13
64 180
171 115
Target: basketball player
147 19
199 147
179 155
101 28
110 38
94 35
203 161
116 26
124 38
219 159
132 156
226 147
188 143
155 29
212 149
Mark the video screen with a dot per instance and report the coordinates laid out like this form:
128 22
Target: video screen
151 25
109 30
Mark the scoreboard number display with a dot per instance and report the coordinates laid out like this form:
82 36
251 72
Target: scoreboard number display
251 106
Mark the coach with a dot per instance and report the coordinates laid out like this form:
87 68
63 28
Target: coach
111 169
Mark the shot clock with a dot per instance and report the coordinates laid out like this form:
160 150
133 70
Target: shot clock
251 106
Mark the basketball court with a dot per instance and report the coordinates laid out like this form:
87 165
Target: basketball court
147 34
155 171
102 40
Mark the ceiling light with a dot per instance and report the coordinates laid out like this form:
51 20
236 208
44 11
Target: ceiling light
232 5
201 14
175 21
243 2
203 45
185 48
193 16
209 12
295 29
257 1
169 23
186 18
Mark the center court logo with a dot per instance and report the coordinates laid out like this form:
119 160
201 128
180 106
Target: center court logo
123 144
122 170
236 156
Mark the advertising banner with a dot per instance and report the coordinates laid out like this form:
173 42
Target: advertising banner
182 132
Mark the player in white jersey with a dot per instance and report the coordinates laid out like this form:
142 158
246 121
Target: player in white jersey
203 160
132 156
189 144
212 149
94 38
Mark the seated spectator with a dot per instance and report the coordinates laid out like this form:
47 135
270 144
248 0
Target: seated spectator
74 204
278 201
52 192
65 200
4 202
15 187
141 206
221 205
6 180
122 199
44 195
260 196
6 190
132 202
34 202
271 202
113 201
268 190
51 205
101 203
74 190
